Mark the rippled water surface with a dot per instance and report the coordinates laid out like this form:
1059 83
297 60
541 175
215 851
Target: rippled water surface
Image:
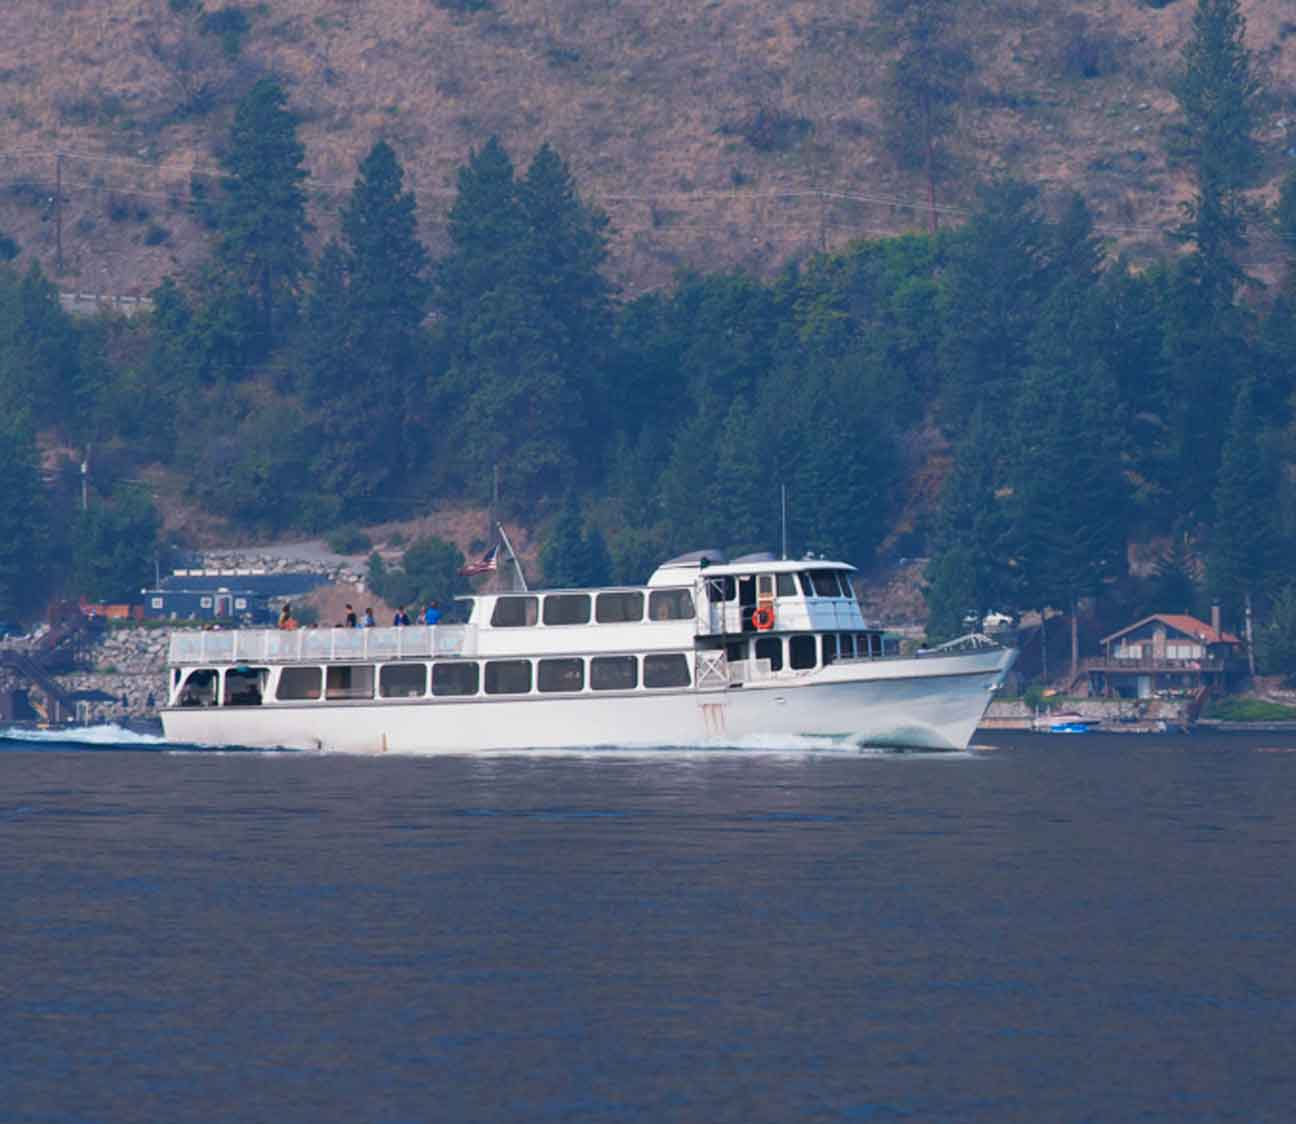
1049 928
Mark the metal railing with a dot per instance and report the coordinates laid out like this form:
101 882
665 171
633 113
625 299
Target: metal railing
321 645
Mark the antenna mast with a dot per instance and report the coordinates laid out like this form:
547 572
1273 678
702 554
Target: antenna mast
783 517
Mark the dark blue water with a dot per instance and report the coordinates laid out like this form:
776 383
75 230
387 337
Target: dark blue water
1060 929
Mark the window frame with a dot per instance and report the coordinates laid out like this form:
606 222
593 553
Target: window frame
599 663
677 659
495 668
395 669
558 599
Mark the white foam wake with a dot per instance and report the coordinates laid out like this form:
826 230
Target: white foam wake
106 734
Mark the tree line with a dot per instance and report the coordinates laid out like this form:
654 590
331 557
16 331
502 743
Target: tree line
1086 403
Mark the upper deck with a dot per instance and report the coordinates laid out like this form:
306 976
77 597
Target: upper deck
687 601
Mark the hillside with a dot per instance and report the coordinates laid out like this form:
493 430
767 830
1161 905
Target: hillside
731 133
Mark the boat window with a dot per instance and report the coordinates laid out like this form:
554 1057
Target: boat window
825 583
721 589
617 608
668 670
787 586
402 680
455 678
876 647
199 689
670 605
561 675
244 686
846 646
514 612
829 648
349 681
801 652
508 677
770 648
567 608
614 673
297 683
736 651
807 586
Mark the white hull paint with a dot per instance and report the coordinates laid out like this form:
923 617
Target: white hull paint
933 702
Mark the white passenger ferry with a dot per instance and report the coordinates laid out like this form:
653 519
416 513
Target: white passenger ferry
708 650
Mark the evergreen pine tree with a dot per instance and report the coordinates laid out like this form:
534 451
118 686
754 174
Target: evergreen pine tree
1000 271
561 556
1218 93
24 523
263 219
923 85
1243 539
972 569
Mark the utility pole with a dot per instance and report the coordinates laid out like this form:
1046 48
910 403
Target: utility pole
58 213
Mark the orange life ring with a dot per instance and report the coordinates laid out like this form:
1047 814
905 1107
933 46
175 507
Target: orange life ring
763 618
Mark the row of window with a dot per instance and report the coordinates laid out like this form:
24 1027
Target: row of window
523 611
806 583
806 650
246 686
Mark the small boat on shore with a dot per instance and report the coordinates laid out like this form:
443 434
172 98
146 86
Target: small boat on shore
708 650
1065 724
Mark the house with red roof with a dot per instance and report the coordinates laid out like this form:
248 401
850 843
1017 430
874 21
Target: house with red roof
1166 655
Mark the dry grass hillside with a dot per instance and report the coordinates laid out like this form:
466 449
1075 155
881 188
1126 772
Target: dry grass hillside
721 133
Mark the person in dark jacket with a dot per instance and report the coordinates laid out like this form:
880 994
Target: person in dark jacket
401 618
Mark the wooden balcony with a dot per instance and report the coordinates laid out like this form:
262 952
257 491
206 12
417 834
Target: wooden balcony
1157 667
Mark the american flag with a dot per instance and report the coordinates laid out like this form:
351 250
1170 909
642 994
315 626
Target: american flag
484 565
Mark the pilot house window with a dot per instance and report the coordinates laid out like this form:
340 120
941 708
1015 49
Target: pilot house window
567 608
514 612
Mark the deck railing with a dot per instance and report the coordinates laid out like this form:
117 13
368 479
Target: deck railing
321 645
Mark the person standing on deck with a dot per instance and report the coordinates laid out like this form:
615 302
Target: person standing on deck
432 613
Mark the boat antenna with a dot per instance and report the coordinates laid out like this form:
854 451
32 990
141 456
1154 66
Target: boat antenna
783 516
517 566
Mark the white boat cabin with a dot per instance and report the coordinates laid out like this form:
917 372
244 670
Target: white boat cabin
701 621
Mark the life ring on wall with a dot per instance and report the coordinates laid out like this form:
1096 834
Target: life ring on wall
763 618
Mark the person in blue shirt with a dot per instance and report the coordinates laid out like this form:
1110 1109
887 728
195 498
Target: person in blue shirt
401 619
432 613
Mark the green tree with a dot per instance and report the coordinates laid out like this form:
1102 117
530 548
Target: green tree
113 545
574 554
432 567
263 218
517 366
1276 639
363 345
972 569
1173 585
564 253
924 83
24 524
1243 540
1218 93
1000 272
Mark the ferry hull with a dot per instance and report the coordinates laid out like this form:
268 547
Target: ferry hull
932 703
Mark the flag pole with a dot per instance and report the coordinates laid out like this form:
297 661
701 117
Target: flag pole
517 566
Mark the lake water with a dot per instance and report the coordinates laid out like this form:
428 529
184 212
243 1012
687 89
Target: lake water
1047 928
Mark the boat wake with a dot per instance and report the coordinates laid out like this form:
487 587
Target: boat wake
106 736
